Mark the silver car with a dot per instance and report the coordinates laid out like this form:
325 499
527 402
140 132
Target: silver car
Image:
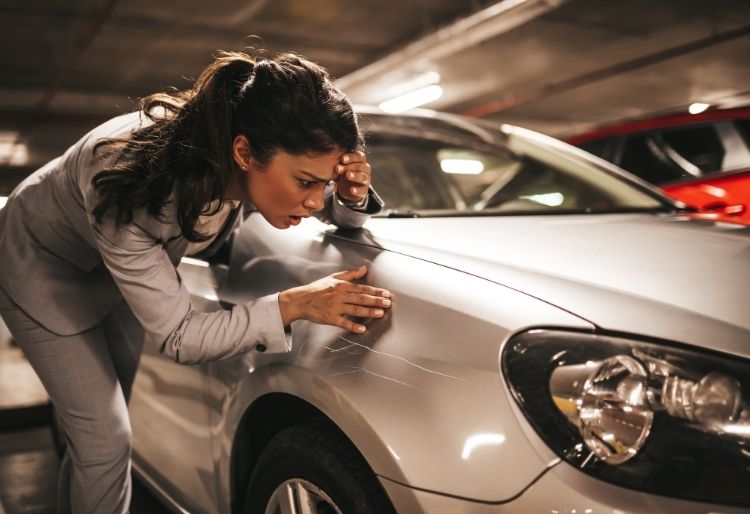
563 339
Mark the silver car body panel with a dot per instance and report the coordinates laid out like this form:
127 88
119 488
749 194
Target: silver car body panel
421 394
366 383
433 371
563 490
596 269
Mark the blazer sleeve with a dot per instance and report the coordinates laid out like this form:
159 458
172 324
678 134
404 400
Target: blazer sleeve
151 286
342 216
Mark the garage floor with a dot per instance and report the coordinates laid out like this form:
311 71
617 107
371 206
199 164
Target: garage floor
28 460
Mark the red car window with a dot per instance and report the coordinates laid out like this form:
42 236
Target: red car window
673 154
744 128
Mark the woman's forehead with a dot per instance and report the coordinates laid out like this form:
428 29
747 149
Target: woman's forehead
321 165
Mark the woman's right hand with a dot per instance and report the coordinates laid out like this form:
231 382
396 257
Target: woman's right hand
331 299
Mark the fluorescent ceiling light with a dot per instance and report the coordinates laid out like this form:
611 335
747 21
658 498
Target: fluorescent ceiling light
414 99
412 84
462 166
698 107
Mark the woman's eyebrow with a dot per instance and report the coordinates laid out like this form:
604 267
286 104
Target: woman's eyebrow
316 178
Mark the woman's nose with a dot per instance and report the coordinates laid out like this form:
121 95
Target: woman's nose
315 200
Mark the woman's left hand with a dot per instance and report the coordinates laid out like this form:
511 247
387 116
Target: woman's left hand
353 181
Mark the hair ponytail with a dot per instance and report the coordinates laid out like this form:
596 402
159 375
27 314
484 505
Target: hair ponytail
286 103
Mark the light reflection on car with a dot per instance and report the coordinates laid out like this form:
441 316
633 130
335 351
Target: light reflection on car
562 337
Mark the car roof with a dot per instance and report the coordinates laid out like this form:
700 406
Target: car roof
669 120
425 122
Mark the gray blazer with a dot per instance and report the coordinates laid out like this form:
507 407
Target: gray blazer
67 272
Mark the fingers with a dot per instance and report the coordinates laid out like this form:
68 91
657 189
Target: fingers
351 274
361 293
354 175
354 168
359 311
358 177
350 325
353 157
382 299
359 173
334 299
367 307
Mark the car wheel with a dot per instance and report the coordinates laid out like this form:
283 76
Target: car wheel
312 468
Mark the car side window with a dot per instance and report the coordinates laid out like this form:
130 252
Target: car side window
673 154
743 126
406 178
538 187
598 147
642 157
700 146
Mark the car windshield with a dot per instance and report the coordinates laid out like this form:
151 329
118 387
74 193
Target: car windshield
430 175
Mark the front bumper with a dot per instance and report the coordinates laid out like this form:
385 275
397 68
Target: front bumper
560 490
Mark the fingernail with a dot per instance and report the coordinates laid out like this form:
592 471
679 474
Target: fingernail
339 167
386 294
360 329
354 190
379 313
386 303
346 158
350 175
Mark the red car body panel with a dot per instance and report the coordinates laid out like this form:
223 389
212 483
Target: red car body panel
725 195
674 120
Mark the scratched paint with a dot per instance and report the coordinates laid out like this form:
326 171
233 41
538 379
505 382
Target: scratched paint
402 359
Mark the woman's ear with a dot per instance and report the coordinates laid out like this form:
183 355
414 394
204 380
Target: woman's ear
241 152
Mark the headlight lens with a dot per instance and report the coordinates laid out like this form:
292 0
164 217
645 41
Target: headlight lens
643 415
607 401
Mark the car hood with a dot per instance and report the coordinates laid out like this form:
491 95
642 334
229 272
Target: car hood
659 276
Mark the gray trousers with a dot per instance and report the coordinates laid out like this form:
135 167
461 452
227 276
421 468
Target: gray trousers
88 377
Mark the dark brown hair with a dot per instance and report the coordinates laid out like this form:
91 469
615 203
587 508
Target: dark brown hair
285 103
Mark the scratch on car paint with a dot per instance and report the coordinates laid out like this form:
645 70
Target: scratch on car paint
354 351
355 369
334 350
402 359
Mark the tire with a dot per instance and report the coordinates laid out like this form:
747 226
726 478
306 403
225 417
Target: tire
315 467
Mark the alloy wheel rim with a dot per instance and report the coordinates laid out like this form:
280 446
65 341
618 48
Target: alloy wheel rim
299 496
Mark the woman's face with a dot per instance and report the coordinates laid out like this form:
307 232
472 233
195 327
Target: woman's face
290 187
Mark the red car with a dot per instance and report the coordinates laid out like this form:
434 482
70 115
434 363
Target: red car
702 159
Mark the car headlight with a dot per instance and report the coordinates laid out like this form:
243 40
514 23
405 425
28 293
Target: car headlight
650 416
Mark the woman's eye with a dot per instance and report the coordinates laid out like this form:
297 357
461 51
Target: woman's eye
307 184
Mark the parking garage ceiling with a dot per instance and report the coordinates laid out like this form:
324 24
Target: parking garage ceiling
558 66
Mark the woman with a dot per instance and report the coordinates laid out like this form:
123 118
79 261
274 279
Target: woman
110 219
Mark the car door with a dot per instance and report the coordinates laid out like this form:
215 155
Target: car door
170 409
